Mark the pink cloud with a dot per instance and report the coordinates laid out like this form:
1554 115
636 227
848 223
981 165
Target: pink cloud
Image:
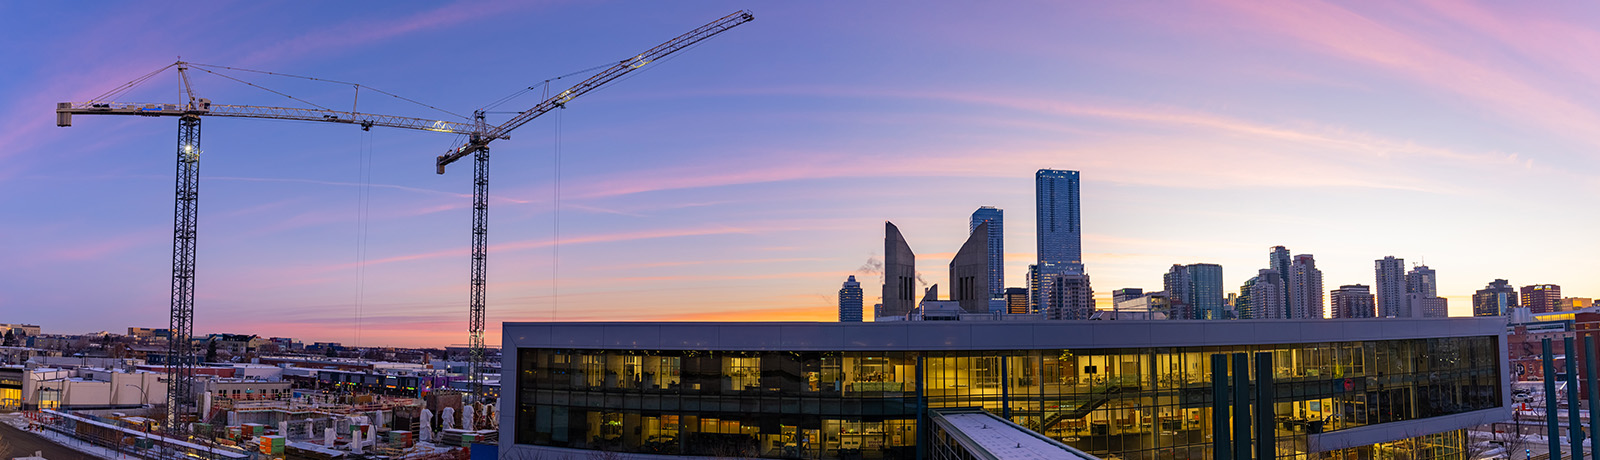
362 33
1338 31
1298 155
112 245
541 243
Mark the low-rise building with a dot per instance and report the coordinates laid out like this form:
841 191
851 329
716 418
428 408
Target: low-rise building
1349 388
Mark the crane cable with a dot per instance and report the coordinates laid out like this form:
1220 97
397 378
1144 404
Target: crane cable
358 86
544 84
363 222
129 85
555 248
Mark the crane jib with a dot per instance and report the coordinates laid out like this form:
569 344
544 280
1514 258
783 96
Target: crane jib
598 80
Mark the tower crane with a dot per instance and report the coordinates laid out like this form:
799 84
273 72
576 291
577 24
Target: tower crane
477 146
181 355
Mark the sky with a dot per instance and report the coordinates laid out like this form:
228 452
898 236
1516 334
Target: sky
745 178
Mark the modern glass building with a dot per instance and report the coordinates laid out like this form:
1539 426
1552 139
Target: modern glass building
1130 389
1060 231
850 300
995 233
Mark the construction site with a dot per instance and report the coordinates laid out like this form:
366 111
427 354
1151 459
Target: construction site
185 406
309 425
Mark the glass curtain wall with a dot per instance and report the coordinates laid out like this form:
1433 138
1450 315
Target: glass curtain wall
1138 403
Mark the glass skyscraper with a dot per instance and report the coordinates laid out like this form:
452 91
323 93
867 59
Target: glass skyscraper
1060 233
1065 292
850 299
1195 291
997 249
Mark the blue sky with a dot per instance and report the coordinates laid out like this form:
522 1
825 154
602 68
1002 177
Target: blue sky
745 178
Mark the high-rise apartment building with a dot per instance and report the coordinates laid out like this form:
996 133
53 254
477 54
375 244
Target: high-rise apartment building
1205 291
1067 296
1420 306
1421 280
1033 288
1060 238
1496 299
1541 298
1195 291
1242 307
899 275
1017 301
1305 288
1176 283
1278 261
1268 296
1390 287
1352 301
850 298
969 272
995 233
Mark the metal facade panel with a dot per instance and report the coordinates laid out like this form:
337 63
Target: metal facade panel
812 336
643 335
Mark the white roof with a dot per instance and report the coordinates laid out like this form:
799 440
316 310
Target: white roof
1007 441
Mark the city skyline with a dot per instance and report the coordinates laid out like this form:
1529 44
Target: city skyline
743 168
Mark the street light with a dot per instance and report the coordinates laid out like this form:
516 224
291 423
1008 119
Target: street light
144 399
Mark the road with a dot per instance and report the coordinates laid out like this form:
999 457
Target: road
24 444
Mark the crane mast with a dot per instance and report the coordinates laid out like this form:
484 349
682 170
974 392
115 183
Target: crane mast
478 147
181 354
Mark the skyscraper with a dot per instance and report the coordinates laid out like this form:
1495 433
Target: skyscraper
1421 280
899 275
995 217
1352 301
1305 288
1060 235
1496 299
1176 283
850 301
1241 304
1195 291
1033 288
1268 297
1278 261
1390 287
969 272
1541 298
1205 291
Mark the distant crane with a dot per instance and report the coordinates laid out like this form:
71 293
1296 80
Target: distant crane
478 146
181 354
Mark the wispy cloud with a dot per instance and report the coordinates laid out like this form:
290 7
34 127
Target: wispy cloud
1365 38
718 262
541 243
367 32
112 245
